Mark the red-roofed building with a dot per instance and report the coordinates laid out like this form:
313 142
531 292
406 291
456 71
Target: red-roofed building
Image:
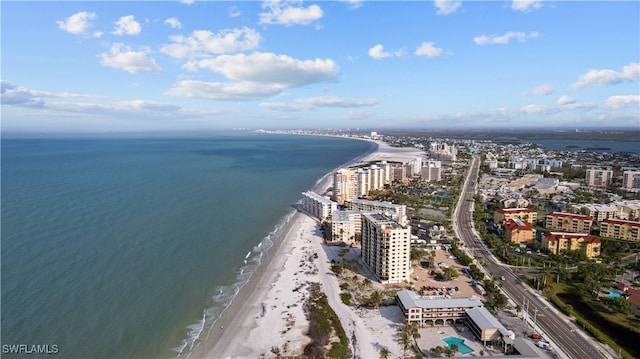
518 231
619 229
556 242
525 214
568 222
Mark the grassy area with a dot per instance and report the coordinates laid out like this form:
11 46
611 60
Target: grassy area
620 331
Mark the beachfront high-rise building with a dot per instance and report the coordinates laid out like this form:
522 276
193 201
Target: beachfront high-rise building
397 212
386 248
598 176
631 180
344 185
317 205
353 183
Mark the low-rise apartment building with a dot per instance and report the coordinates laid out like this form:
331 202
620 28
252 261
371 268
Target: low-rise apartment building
425 310
525 214
557 242
519 231
568 222
486 327
620 229
600 212
386 248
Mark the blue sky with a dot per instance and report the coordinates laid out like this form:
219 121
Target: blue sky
198 65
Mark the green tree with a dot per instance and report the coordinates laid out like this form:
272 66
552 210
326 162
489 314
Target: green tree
384 353
405 342
449 273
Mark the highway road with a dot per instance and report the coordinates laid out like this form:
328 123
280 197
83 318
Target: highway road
562 332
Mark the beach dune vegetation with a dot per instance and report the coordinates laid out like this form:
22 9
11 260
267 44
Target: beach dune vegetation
328 338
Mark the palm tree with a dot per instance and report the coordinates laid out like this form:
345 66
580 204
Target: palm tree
384 353
454 348
436 352
405 342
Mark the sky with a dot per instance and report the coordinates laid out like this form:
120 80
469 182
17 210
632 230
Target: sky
205 65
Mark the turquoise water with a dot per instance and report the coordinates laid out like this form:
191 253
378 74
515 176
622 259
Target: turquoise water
614 293
462 347
132 247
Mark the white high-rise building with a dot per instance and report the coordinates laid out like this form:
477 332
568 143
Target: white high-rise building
397 212
344 185
431 171
386 248
319 206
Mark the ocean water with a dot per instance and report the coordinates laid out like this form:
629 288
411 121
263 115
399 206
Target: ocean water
132 247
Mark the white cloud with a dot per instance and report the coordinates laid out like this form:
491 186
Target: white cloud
377 52
310 103
173 22
187 2
526 5
358 115
269 68
605 77
543 90
354 4
127 25
504 39
254 76
231 91
427 49
446 7
142 105
234 11
288 13
123 57
77 23
203 43
565 100
20 96
565 103
618 102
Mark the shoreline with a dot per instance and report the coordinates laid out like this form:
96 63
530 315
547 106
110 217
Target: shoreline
253 323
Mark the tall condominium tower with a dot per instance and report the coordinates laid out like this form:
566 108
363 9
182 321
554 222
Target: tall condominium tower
386 248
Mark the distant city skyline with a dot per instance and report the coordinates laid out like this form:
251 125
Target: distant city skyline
206 65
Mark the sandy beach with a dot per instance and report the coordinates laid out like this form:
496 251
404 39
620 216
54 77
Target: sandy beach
268 311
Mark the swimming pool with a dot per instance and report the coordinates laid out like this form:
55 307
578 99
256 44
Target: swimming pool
614 293
462 347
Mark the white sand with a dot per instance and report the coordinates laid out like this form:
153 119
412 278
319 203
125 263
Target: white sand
268 311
